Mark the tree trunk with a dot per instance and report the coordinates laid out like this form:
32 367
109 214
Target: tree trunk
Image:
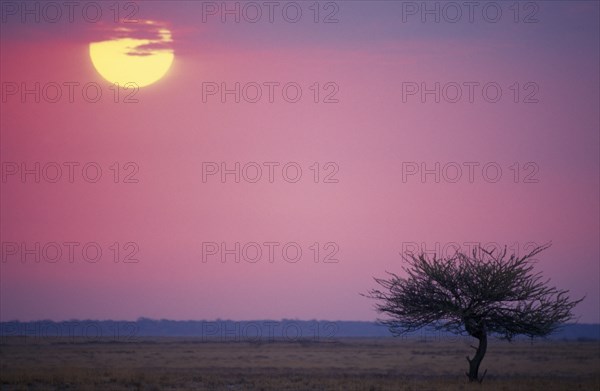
476 360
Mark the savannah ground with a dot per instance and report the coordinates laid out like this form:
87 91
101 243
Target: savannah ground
341 364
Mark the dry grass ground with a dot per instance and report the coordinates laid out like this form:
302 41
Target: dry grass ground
344 364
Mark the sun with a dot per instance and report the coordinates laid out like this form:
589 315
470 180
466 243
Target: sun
133 60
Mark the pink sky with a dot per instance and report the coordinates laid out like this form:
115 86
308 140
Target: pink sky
369 213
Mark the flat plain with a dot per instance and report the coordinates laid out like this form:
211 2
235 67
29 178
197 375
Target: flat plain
340 364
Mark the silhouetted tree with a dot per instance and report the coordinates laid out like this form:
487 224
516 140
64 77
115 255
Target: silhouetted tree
480 294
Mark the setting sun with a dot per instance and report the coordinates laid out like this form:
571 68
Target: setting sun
127 60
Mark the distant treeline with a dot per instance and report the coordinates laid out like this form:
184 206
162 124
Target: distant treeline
237 331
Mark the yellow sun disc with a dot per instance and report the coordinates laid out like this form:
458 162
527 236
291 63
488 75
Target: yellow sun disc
121 61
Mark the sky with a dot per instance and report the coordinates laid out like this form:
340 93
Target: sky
175 201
